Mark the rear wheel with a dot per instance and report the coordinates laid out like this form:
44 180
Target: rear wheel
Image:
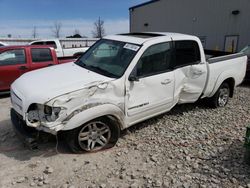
221 97
93 136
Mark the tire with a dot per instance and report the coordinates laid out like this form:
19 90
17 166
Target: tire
221 97
96 135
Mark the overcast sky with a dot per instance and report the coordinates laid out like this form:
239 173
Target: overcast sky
19 17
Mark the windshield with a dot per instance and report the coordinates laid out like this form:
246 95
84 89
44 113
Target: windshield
246 50
109 58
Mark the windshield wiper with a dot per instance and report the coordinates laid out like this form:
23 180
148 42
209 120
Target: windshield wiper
101 71
81 64
96 69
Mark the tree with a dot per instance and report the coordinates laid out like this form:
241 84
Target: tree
99 30
56 29
76 34
34 32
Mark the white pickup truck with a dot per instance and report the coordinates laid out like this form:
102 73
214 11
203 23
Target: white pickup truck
3 44
120 81
60 50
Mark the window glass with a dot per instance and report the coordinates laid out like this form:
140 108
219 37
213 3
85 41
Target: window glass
106 50
41 55
12 57
156 59
47 43
38 43
51 44
109 58
246 50
186 53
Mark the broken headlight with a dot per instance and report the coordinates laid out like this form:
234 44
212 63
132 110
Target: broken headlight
40 113
51 113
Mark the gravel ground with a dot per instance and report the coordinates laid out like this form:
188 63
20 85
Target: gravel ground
191 146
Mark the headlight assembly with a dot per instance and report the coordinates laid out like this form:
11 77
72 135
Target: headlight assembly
51 113
43 113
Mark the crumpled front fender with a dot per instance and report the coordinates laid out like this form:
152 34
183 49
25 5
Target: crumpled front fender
93 112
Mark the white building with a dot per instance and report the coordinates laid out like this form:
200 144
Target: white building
66 42
221 25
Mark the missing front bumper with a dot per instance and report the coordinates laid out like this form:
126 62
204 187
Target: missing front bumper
27 135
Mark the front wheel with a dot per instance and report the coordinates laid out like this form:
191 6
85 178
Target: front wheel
221 97
93 136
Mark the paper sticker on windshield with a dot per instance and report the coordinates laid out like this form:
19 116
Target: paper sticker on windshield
131 47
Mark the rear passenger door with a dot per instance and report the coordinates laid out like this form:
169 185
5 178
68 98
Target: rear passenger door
152 92
12 65
41 57
189 71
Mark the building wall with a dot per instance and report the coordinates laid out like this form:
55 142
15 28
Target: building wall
211 20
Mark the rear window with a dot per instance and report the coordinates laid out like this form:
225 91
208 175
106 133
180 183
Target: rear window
47 43
51 44
41 55
37 43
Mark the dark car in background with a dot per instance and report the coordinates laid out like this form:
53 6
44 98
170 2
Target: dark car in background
246 51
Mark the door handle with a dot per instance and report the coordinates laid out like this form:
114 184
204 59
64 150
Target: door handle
167 81
22 68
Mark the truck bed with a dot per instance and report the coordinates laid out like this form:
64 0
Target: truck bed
227 65
214 53
217 56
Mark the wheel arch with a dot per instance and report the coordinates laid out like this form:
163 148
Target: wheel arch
224 79
231 82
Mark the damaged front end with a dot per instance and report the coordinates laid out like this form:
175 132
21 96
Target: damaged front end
45 117
52 116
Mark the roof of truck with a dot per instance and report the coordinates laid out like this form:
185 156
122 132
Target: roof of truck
140 38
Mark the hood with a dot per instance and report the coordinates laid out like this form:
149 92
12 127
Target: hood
48 83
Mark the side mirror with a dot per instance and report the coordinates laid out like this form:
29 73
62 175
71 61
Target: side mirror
133 78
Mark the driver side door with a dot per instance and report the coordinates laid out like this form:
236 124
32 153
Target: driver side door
150 88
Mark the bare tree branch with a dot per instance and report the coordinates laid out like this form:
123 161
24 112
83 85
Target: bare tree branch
56 29
99 30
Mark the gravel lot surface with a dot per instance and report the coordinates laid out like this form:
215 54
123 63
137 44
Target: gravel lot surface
191 146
